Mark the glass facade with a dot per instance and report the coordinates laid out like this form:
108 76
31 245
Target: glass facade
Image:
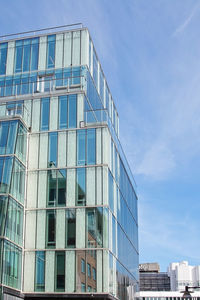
67 195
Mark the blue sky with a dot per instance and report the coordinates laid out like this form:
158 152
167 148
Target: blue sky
150 54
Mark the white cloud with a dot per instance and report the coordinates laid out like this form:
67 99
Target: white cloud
187 21
157 162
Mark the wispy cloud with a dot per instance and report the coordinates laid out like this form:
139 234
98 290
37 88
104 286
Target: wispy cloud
187 21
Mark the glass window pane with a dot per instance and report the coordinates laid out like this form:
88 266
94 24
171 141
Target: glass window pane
51 188
26 55
80 187
39 271
3 57
62 112
72 111
18 56
71 228
11 137
81 147
61 178
82 265
51 51
91 146
44 122
34 54
53 146
60 270
51 228
3 136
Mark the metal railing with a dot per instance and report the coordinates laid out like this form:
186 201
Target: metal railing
40 31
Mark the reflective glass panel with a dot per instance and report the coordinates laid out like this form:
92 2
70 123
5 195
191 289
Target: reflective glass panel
80 187
39 271
62 112
44 122
53 147
51 51
60 270
72 111
3 57
81 147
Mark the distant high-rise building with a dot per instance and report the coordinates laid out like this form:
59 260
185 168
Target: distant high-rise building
182 274
68 206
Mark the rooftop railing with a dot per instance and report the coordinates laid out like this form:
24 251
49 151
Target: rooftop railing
41 31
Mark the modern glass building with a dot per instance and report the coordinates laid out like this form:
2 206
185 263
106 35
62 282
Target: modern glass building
68 206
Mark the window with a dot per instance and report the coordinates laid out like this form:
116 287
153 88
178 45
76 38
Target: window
51 51
80 187
44 120
67 111
91 146
94 273
60 271
63 112
56 187
72 111
53 145
81 147
82 287
83 265
89 289
26 55
51 228
88 270
3 57
40 271
71 228
86 147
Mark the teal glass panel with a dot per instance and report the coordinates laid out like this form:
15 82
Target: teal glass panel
7 169
95 69
71 228
2 87
3 57
80 187
12 137
94 227
44 121
51 51
4 127
21 142
83 266
16 85
59 77
111 191
51 228
91 146
81 147
72 111
34 54
88 270
53 147
51 188
24 85
8 86
26 55
3 212
39 271
76 73
61 186
60 271
18 56
63 112
12 259
94 275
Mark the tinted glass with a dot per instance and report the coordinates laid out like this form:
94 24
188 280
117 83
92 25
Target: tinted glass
80 187
3 57
72 111
81 147
44 123
39 270
60 270
91 146
51 51
62 112
53 140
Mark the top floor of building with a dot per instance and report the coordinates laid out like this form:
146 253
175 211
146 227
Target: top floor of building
52 59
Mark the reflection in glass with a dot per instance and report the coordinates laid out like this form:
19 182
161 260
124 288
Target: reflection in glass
63 112
53 147
60 271
51 228
71 228
72 111
81 147
3 57
51 39
44 121
39 271
80 187
91 146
